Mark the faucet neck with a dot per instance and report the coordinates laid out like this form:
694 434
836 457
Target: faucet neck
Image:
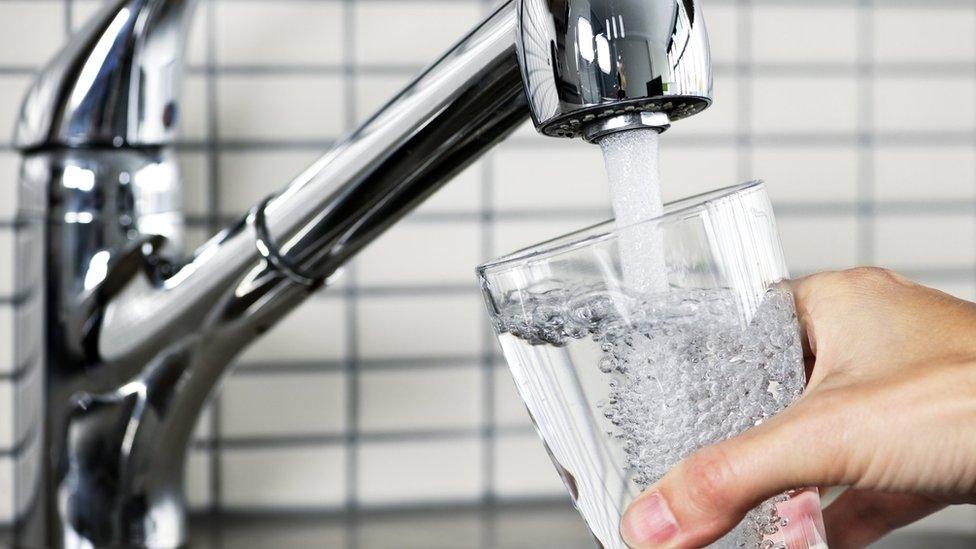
117 83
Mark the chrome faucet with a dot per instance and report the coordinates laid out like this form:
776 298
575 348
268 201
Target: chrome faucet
123 340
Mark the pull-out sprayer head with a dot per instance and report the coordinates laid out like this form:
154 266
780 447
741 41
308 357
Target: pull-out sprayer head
594 67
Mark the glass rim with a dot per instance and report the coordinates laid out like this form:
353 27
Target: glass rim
681 207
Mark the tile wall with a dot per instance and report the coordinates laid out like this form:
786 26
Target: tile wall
387 390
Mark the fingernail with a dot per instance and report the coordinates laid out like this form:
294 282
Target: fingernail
648 522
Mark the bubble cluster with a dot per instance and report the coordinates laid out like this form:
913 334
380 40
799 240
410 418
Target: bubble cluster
686 368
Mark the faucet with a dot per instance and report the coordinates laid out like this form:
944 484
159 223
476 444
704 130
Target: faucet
122 340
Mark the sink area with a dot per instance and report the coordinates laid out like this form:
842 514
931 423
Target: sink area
521 526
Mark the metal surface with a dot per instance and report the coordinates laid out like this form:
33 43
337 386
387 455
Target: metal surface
602 127
137 339
585 60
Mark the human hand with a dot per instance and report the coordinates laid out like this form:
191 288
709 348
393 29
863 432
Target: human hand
889 410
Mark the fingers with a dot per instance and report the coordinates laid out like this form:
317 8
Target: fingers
802 289
858 518
709 493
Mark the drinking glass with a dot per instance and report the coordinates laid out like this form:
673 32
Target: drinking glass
624 376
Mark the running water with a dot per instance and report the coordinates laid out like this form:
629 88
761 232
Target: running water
632 163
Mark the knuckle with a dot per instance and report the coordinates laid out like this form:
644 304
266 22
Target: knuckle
708 477
872 277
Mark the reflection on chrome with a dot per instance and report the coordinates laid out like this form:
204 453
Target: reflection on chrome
120 339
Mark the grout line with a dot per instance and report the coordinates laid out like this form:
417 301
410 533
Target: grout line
489 437
919 138
213 147
743 62
351 363
488 339
866 214
297 367
947 69
68 18
249 442
599 215
403 510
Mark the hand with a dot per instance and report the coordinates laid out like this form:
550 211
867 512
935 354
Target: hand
889 410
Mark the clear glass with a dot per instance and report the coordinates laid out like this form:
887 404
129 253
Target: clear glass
623 381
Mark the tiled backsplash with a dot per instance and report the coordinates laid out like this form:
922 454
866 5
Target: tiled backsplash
386 389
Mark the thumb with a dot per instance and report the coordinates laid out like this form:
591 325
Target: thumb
708 494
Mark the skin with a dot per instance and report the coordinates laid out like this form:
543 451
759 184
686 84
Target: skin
889 411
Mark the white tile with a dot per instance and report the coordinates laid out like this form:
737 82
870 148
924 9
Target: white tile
194 237
459 195
723 31
511 236
527 132
194 118
196 39
957 519
815 243
29 402
6 490
906 104
197 480
279 33
204 427
9 176
373 91
569 176
31 32
687 171
316 330
12 90
6 334
402 327
7 261
7 439
28 323
420 399
918 33
195 169
924 173
410 32
283 404
397 472
509 409
814 33
804 105
83 10
925 241
267 107
27 471
807 174
442 252
248 177
523 468
306 477
721 117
